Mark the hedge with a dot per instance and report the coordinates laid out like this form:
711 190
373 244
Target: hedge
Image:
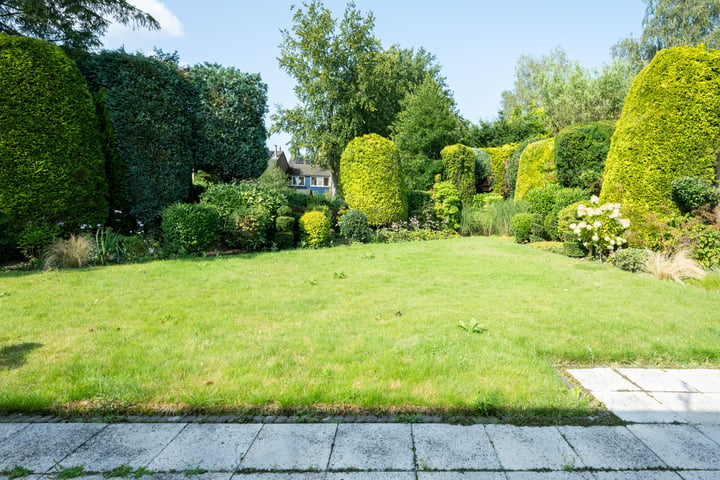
459 168
499 158
536 168
51 163
370 179
580 153
514 162
669 128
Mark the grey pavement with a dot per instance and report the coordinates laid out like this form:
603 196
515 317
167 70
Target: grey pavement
672 433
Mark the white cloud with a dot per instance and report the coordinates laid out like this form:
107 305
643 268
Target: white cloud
169 23
170 26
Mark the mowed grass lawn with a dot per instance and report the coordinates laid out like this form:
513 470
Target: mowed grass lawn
373 327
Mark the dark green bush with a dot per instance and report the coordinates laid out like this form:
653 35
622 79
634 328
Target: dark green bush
541 200
459 168
315 229
284 240
522 226
563 198
51 163
483 170
284 224
190 228
35 237
419 202
692 193
7 240
355 227
630 259
580 153
574 249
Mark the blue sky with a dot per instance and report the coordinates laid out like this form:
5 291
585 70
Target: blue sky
477 43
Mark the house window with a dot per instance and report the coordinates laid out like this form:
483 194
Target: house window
298 181
320 181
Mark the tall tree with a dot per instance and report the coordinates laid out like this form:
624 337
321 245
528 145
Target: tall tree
76 24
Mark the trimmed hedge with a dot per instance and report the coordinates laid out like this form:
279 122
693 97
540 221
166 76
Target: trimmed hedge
512 165
51 163
459 168
536 168
190 228
371 181
669 128
580 153
499 158
315 229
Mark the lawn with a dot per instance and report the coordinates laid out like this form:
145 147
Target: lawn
366 327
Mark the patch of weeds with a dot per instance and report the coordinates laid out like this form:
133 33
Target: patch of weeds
408 418
487 403
339 275
19 472
310 282
194 471
568 462
473 326
64 473
126 471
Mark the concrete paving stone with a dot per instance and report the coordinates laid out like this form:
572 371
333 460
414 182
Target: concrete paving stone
710 431
601 380
549 476
637 407
279 476
703 379
656 380
610 447
370 476
453 447
680 446
700 475
182 476
38 447
291 447
367 446
209 446
9 429
692 407
133 444
638 475
461 476
531 448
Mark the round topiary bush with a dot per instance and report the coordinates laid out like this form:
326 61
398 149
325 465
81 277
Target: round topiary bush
51 164
669 128
371 181
315 229
536 168
190 228
459 168
522 226
580 152
355 227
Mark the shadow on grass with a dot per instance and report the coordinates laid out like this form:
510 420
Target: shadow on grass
13 356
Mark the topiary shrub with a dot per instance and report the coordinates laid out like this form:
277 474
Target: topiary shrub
284 224
668 129
51 163
522 226
447 205
630 259
514 163
315 229
499 158
580 152
355 227
691 193
370 179
459 168
536 168
190 228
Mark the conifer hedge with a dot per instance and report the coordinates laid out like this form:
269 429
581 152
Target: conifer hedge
459 168
371 181
51 163
580 153
536 168
499 158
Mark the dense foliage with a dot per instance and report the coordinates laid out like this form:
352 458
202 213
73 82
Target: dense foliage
499 159
459 168
580 153
483 170
692 193
190 228
315 229
370 179
536 168
514 163
355 227
447 204
51 162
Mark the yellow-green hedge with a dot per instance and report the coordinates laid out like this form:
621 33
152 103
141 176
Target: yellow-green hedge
537 167
669 128
459 168
499 158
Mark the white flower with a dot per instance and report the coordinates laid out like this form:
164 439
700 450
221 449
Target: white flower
581 210
607 239
595 238
624 222
573 226
577 231
594 200
597 224
589 227
581 225
612 242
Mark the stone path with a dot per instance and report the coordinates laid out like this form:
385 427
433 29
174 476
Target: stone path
652 447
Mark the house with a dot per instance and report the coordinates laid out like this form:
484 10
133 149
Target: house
303 177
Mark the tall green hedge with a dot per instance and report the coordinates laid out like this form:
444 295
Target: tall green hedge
499 158
514 163
370 178
51 163
150 108
580 153
459 168
669 128
536 168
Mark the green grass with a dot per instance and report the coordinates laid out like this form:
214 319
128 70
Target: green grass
368 327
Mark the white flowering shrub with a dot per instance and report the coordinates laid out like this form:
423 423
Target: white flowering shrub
601 228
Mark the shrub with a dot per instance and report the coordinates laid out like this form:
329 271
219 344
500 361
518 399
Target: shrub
284 224
563 198
284 240
447 204
459 168
580 152
574 249
75 252
486 199
522 226
483 170
7 240
676 267
704 240
370 178
536 168
496 218
418 203
315 229
107 246
514 163
355 227
630 259
668 129
34 239
139 248
190 228
566 217
51 163
691 193
601 228
541 200
499 158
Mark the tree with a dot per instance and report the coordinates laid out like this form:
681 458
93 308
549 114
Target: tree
76 24
231 130
672 23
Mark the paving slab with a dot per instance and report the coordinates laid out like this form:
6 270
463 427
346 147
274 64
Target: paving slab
372 447
132 444
291 447
681 447
531 448
371 476
638 475
703 379
656 380
700 475
461 476
453 447
637 407
209 446
549 476
710 431
9 429
182 476
610 448
691 407
602 380
279 476
38 447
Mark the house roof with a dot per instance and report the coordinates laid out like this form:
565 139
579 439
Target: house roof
295 169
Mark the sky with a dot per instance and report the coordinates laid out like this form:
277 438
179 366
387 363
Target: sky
477 43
